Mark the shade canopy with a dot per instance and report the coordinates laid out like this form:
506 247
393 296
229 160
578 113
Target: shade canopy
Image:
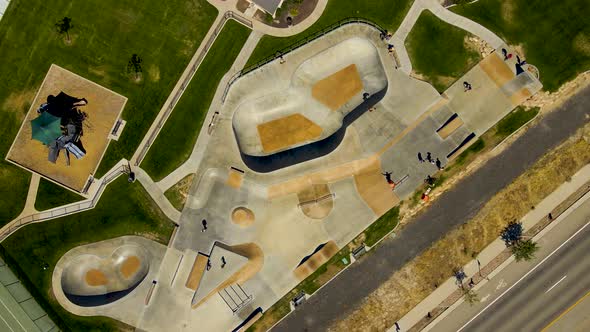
46 128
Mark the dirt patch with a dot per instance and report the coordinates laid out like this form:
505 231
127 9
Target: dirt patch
130 266
154 73
178 193
242 216
316 260
95 277
287 131
18 103
508 9
416 280
337 89
103 109
582 43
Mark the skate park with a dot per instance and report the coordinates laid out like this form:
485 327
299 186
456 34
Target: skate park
268 228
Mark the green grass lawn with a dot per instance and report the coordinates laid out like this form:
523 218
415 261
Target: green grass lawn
105 34
555 35
50 195
387 13
124 209
378 229
438 51
177 138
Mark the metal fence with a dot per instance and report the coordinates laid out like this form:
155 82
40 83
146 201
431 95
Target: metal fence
310 38
66 210
295 46
152 137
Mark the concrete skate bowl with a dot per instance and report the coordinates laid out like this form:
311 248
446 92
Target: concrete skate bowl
89 280
307 117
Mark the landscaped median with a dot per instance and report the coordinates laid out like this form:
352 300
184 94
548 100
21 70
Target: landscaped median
175 142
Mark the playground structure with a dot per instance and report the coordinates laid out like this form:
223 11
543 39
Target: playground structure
103 109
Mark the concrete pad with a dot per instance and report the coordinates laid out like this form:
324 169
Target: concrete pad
242 216
495 67
288 131
450 127
103 109
235 179
315 260
216 277
199 266
320 76
337 89
374 190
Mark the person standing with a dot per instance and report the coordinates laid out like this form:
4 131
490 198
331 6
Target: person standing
204 223
439 164
420 157
429 157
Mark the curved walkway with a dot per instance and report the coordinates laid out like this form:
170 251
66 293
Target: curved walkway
399 37
230 5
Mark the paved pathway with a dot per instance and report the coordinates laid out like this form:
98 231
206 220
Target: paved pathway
345 293
31 196
192 164
230 5
399 37
157 195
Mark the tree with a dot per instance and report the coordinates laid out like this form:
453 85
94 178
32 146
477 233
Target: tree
134 66
512 234
64 26
524 250
470 296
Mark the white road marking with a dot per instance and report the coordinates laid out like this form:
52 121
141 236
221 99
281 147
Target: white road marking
485 298
524 276
550 288
501 284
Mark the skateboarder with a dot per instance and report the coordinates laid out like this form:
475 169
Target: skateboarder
204 222
466 86
223 262
420 157
439 164
429 157
388 177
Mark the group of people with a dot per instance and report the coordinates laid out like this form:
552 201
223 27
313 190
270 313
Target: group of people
429 158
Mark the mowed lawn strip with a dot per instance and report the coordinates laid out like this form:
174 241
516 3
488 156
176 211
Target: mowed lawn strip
124 209
386 13
50 195
555 36
438 51
176 140
105 35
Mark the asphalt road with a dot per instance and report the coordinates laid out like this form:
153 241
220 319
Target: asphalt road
343 294
529 296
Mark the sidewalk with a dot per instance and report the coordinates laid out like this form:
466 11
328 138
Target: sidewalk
444 291
400 35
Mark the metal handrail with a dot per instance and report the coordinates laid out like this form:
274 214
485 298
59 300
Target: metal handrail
310 38
66 210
